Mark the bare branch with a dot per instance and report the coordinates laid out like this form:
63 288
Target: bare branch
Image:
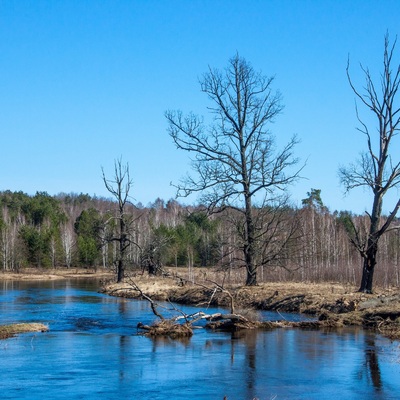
234 159
120 187
375 169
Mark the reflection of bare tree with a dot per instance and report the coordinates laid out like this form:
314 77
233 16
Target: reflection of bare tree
250 338
123 340
122 306
372 363
122 355
239 340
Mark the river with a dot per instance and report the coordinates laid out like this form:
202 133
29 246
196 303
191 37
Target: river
92 351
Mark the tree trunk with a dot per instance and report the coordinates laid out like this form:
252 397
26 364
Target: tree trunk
251 279
153 267
372 245
121 272
122 247
368 269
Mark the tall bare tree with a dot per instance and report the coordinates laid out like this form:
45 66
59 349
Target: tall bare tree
236 164
376 169
120 187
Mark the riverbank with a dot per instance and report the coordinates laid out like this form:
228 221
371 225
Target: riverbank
54 274
333 305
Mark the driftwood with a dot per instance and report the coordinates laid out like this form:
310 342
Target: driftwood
232 317
227 322
230 322
212 317
163 327
183 324
174 328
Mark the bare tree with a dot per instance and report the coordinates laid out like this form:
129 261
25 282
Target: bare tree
67 241
120 187
235 161
376 169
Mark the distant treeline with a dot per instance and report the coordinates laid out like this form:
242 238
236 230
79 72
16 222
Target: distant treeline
77 230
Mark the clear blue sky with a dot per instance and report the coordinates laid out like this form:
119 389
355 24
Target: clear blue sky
86 82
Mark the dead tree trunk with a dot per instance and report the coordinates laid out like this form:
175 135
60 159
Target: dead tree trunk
369 267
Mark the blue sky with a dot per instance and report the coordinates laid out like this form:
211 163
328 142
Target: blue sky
86 82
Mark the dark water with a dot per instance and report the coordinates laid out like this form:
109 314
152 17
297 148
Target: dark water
92 352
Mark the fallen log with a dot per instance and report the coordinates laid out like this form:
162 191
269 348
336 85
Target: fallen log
212 317
231 317
228 325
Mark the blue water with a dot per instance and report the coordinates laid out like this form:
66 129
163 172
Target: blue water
92 351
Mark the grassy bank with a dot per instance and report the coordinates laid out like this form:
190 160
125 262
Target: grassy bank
332 304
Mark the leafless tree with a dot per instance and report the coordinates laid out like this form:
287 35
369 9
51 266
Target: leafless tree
376 169
67 241
120 187
236 163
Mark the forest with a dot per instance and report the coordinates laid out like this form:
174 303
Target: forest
308 243
244 223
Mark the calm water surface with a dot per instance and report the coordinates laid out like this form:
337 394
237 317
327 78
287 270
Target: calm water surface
92 352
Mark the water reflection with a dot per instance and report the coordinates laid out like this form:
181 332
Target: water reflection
250 362
123 342
288 363
163 341
92 352
372 363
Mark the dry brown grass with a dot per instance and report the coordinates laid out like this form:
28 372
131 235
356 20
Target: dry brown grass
333 304
167 328
7 331
54 274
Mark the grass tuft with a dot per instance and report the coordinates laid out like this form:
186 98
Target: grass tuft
7 331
